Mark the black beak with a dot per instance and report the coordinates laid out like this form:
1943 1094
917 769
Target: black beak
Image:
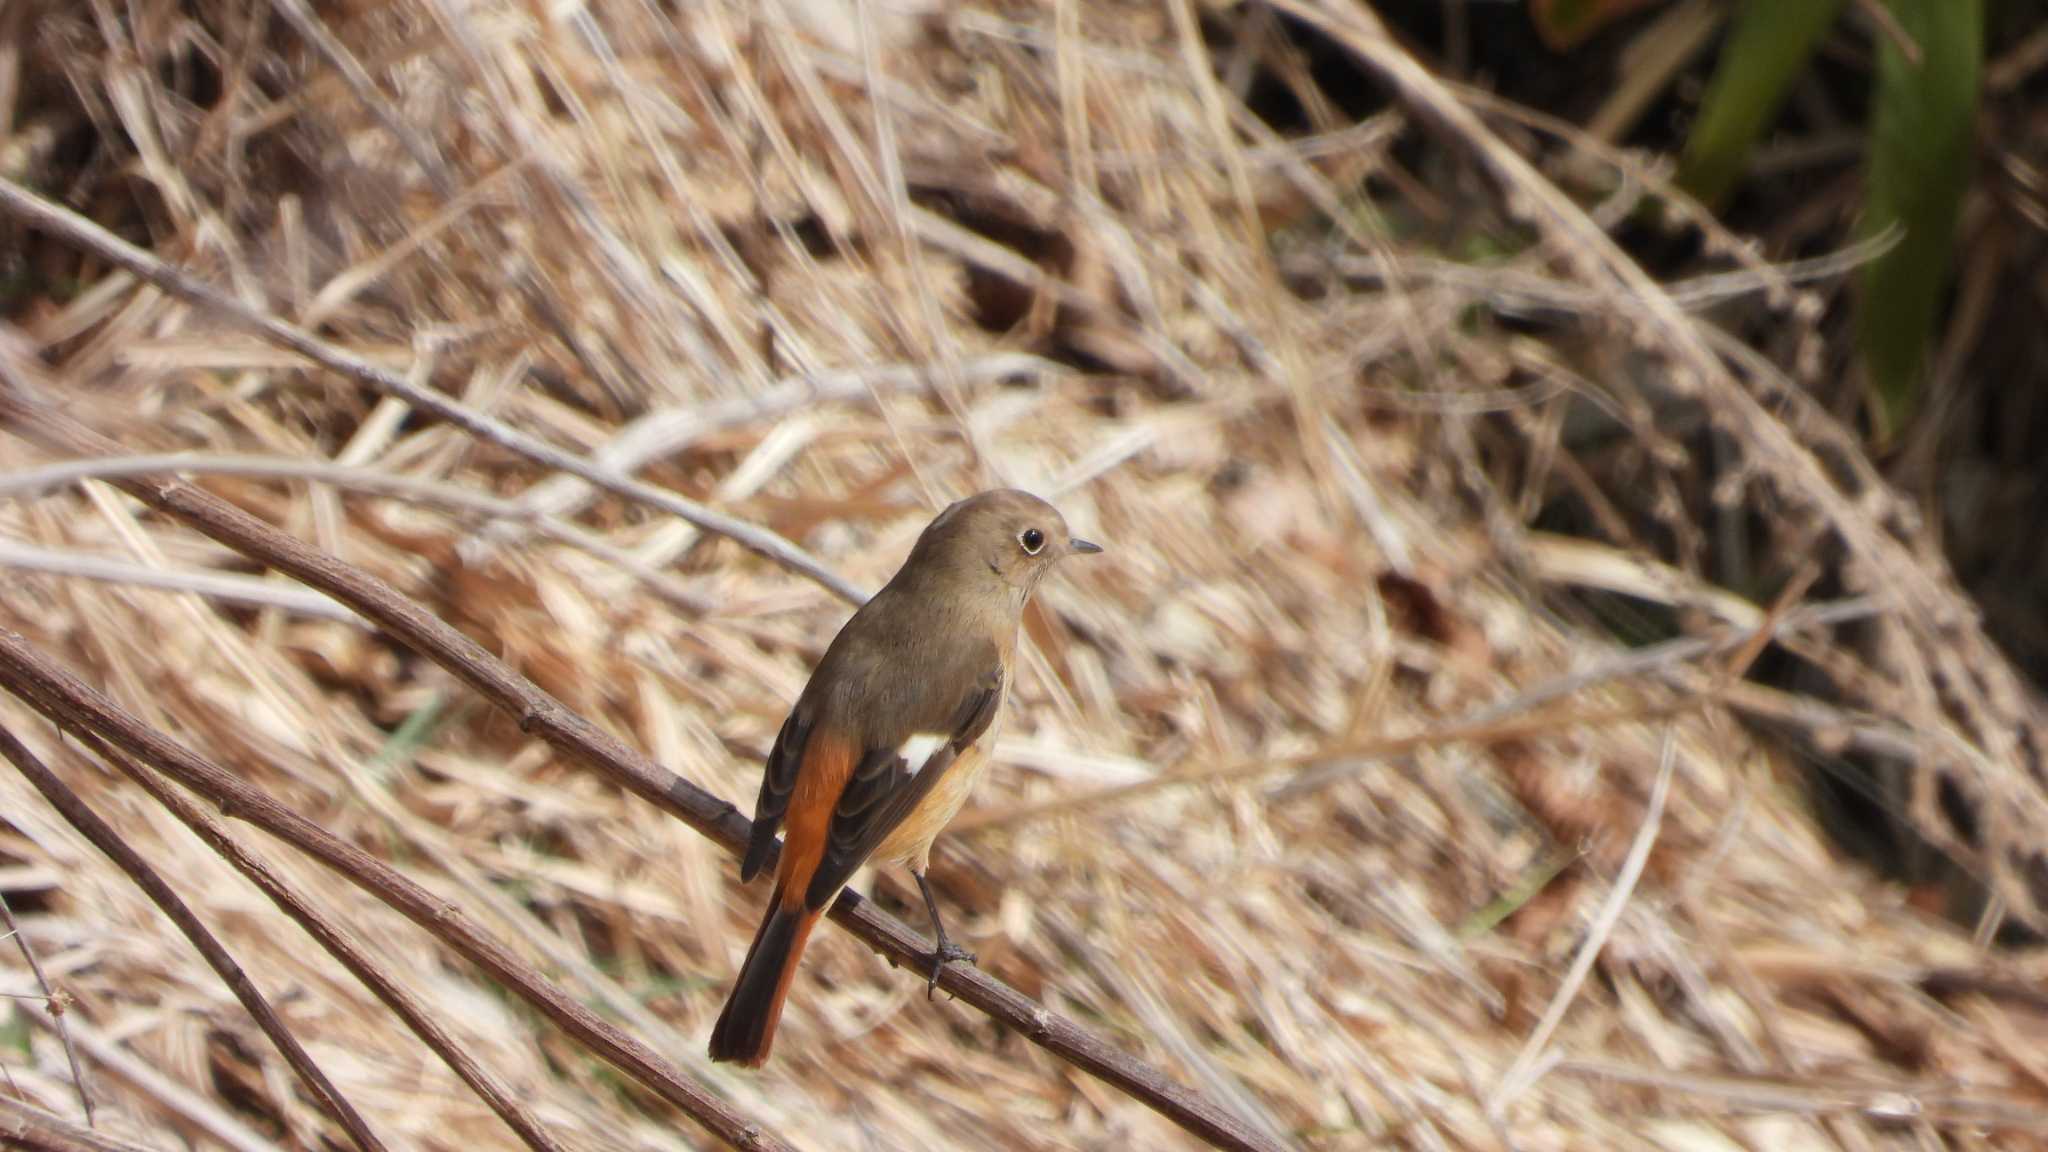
1083 547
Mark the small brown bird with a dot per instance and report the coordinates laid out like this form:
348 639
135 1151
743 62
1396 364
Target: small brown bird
884 744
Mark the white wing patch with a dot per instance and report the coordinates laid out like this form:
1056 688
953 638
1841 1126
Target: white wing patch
916 750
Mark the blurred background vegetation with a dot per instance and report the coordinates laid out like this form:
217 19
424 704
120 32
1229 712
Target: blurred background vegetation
1807 124
1918 127
1373 399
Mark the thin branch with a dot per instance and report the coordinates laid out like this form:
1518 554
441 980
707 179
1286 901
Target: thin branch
72 704
231 587
1522 293
664 432
339 943
58 1005
1518 1076
396 485
1517 718
140 1076
66 225
576 737
111 844
1484 730
30 1128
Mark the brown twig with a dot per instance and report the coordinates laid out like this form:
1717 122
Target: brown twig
665 432
203 1115
569 732
414 489
59 222
31 1129
110 843
73 704
57 1006
339 943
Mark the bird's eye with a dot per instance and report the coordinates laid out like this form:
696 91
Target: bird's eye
1032 540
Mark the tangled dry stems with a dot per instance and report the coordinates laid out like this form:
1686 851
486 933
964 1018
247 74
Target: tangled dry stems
619 249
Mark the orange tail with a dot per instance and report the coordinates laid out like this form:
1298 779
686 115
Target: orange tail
746 1029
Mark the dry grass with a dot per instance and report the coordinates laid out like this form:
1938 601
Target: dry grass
1415 878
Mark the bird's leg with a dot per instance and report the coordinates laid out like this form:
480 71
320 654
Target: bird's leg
944 951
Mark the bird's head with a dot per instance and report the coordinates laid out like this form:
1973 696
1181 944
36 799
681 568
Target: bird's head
1006 534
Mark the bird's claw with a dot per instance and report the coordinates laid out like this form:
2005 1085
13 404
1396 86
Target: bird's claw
946 953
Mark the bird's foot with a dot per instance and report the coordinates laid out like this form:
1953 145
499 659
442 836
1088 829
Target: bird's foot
946 953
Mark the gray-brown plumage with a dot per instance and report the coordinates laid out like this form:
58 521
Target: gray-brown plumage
887 739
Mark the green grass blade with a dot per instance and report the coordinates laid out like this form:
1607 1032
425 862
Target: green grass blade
1922 137
1768 45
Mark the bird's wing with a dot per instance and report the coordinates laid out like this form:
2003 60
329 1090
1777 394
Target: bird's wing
884 787
777 782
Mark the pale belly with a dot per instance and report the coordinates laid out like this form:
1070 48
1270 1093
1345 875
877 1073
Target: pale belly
911 842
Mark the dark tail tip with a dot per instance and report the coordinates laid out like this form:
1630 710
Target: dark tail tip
738 1044
746 1028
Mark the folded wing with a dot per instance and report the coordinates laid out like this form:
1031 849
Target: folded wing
884 788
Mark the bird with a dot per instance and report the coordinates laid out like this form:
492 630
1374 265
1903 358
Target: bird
887 738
